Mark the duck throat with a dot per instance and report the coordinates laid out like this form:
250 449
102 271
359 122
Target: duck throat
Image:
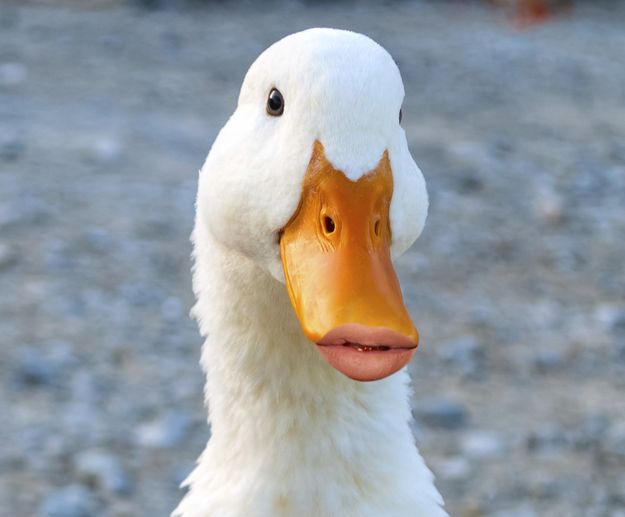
291 435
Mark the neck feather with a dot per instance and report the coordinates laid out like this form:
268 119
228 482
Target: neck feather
290 435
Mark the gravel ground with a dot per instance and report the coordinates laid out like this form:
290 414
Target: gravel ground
517 283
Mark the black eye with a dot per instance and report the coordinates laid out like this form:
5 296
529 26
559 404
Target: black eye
400 116
275 103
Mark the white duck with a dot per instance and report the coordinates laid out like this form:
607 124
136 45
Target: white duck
307 192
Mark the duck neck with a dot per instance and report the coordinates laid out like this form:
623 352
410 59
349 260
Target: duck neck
276 408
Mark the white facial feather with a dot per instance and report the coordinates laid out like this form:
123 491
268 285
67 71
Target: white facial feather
340 88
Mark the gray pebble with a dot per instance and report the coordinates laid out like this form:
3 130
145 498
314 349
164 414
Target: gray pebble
612 447
97 240
441 413
165 431
102 470
591 431
71 501
547 360
33 369
523 511
611 317
11 147
181 472
456 468
548 205
12 74
172 309
482 445
8 256
104 151
547 440
465 354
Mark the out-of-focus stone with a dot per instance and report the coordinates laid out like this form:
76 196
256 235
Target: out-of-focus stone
172 309
180 472
97 240
523 511
611 317
71 501
611 449
465 354
12 74
8 256
103 151
591 431
102 470
441 413
548 360
548 205
547 440
33 369
482 445
455 468
11 147
165 431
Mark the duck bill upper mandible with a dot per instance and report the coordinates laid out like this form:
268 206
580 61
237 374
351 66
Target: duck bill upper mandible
336 257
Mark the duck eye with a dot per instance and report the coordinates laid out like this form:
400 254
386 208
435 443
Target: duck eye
275 103
400 114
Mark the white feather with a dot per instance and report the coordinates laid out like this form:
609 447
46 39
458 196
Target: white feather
290 435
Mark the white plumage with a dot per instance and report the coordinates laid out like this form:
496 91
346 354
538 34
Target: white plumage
291 436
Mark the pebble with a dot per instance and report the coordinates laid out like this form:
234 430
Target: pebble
482 445
12 74
465 354
617 152
548 440
549 205
468 153
611 317
105 151
522 511
8 256
27 210
71 501
11 147
591 431
165 431
33 369
455 468
49 363
181 472
98 240
441 413
548 360
9 16
83 424
612 447
172 309
102 470
141 295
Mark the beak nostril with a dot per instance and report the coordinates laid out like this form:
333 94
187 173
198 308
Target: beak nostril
376 227
328 224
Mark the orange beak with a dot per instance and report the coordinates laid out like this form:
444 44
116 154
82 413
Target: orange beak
337 265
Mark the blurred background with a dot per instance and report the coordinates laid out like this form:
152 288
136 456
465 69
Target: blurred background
516 115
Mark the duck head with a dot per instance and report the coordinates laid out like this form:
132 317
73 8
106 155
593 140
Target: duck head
311 178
